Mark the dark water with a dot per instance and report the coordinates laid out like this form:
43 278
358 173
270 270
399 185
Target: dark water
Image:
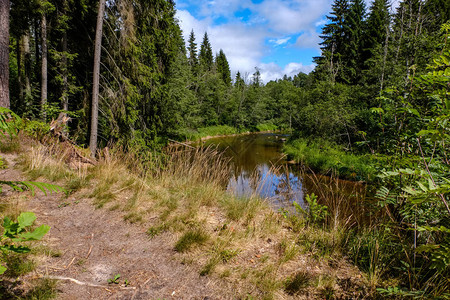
260 168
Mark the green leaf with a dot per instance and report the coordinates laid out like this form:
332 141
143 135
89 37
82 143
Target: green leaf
422 186
26 219
37 234
17 249
2 269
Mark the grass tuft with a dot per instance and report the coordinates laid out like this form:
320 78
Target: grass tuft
191 238
297 283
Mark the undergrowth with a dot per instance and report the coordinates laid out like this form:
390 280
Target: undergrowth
323 157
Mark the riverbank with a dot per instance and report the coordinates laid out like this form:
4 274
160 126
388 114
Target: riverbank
205 133
324 157
241 246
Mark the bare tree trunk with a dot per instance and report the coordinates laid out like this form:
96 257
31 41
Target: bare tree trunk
44 65
27 66
96 79
386 45
401 36
4 53
19 54
65 96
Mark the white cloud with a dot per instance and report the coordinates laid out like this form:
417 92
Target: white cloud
309 39
293 16
280 42
242 45
272 71
245 43
188 23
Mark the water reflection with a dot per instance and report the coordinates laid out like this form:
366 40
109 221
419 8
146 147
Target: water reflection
259 167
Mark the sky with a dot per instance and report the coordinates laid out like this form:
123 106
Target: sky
276 36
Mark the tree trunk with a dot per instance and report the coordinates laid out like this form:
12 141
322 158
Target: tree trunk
65 67
96 79
19 54
65 95
385 53
44 65
27 67
4 53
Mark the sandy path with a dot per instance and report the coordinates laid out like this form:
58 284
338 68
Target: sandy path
96 244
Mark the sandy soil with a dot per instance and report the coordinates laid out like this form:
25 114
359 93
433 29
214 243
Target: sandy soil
96 244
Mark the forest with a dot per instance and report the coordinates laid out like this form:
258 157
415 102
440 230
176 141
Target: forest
378 100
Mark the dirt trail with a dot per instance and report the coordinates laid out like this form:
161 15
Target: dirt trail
96 244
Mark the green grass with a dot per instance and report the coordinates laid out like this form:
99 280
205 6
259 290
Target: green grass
8 145
199 133
42 289
323 157
189 239
297 283
19 265
267 127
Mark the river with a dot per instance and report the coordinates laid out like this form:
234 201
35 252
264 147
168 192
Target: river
260 167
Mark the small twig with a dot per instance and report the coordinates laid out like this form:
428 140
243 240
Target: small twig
89 252
88 284
55 268
90 248
68 266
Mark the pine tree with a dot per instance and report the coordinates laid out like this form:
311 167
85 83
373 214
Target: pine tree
335 41
206 56
376 44
223 68
352 56
377 26
192 51
95 85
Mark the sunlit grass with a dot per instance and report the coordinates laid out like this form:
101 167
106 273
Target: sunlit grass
241 240
324 157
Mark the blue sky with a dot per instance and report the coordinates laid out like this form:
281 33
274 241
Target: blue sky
277 36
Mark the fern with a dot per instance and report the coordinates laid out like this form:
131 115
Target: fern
9 122
32 186
385 196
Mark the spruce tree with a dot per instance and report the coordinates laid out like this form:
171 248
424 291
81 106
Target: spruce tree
192 51
335 41
352 56
206 56
223 68
376 44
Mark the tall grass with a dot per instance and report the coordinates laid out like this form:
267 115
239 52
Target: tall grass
183 197
344 199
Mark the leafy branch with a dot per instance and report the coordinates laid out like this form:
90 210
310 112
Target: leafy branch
16 233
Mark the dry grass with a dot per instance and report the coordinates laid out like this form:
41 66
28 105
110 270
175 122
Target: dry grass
241 240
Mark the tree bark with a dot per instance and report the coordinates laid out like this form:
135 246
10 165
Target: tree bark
19 54
96 78
44 65
65 96
4 53
65 66
27 66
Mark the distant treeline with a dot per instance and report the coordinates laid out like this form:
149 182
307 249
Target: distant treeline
152 86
